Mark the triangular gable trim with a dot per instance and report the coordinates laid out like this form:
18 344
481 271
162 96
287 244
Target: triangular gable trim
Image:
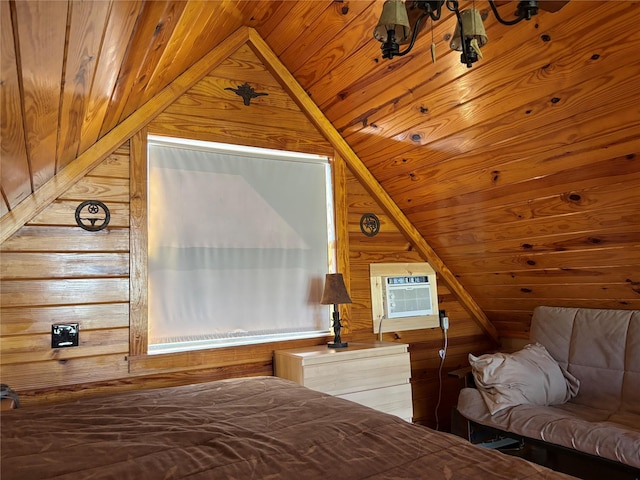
38 201
362 173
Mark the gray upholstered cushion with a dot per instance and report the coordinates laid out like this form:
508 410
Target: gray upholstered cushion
602 349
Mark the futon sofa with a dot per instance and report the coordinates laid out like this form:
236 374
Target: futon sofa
597 352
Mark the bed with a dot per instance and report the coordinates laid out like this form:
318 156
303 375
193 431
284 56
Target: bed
243 428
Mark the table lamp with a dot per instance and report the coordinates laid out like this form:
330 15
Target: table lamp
335 293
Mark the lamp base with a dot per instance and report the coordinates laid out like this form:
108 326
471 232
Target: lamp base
338 345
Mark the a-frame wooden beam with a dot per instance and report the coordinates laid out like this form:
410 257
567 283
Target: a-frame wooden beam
12 221
324 126
35 203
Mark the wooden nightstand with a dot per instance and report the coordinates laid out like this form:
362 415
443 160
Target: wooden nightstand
373 374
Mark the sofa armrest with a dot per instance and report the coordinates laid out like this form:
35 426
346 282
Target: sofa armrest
464 375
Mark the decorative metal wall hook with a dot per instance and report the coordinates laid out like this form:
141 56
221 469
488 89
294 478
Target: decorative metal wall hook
247 92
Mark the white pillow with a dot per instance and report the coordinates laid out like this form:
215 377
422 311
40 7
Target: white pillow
529 376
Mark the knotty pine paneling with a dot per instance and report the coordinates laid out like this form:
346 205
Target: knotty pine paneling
211 112
53 271
521 173
85 32
154 25
119 25
41 29
465 336
14 175
485 161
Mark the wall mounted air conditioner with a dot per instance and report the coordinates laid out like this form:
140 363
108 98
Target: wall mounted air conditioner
404 296
407 296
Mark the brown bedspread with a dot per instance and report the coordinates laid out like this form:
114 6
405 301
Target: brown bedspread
259 428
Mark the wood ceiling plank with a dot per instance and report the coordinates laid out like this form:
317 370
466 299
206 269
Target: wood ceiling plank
268 20
526 100
257 14
612 236
425 87
356 79
491 303
608 192
574 276
300 16
327 66
39 200
133 63
119 27
588 128
527 232
202 26
41 39
390 81
609 256
15 177
322 30
513 127
587 165
146 64
85 36
362 173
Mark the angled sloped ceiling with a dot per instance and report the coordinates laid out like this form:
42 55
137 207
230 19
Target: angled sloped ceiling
168 108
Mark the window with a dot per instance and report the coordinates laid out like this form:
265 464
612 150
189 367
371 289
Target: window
238 244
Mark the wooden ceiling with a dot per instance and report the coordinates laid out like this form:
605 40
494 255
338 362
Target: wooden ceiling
521 172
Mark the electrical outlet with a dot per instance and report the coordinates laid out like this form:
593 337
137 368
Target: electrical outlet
65 335
444 320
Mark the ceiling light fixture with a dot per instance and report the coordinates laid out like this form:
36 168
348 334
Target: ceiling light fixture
394 28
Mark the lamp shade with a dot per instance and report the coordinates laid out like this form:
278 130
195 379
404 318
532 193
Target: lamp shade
394 17
335 291
473 28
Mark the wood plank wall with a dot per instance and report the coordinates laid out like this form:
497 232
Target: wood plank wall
464 336
55 272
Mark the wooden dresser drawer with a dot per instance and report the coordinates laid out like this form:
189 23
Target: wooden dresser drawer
395 400
360 374
373 374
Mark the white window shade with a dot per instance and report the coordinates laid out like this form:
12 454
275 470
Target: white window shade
237 245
